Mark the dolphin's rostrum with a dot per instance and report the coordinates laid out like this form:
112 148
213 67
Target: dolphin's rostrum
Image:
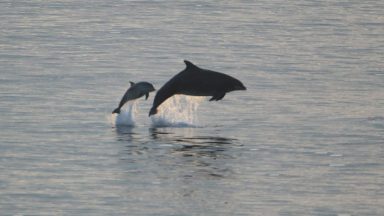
136 90
196 81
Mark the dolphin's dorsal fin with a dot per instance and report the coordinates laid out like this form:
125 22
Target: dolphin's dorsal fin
132 83
189 64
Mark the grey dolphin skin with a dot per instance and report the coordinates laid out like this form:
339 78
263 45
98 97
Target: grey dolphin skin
136 90
196 81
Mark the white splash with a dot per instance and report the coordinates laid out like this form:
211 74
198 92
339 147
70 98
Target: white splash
177 111
126 116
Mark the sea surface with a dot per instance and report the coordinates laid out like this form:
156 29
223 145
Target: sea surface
305 138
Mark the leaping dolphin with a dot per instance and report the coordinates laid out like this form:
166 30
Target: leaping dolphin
136 90
196 81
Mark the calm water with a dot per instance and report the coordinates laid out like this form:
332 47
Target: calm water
306 138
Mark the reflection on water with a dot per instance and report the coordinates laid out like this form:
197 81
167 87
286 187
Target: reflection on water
176 165
187 136
124 133
195 156
191 145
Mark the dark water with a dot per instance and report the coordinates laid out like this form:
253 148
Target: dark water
306 138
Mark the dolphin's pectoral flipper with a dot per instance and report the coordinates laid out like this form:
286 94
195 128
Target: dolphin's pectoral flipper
217 96
220 96
146 96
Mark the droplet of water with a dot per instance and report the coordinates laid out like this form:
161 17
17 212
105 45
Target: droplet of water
126 117
177 111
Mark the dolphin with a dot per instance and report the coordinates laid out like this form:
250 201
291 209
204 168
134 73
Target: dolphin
136 90
196 81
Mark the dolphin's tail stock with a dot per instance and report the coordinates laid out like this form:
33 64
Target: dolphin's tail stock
117 110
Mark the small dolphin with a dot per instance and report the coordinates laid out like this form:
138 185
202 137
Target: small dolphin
196 81
136 90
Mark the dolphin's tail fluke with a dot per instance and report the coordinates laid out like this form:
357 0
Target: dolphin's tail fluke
117 110
153 111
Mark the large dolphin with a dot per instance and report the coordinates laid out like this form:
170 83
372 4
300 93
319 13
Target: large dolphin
196 81
136 90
